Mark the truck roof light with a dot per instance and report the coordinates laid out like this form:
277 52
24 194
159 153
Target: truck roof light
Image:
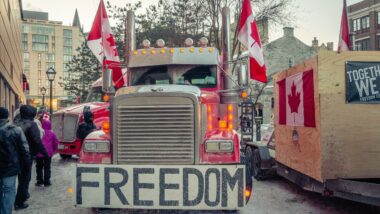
146 43
162 50
172 50
222 124
106 126
153 51
189 42
203 42
191 49
135 52
182 50
200 50
160 43
143 52
210 49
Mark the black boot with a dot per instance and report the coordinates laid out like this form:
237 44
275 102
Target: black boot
21 206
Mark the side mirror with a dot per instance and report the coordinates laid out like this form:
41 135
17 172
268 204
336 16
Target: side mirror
243 75
107 81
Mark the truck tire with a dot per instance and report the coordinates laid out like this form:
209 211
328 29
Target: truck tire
65 156
248 171
258 173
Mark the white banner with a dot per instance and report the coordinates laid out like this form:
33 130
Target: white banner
200 187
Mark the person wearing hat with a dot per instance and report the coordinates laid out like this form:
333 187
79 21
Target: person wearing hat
32 134
14 155
87 126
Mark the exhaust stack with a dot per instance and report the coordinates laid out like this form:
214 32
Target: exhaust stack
130 35
229 96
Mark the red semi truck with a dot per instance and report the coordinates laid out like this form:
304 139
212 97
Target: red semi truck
172 141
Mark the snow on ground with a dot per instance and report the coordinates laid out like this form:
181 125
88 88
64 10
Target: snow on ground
269 197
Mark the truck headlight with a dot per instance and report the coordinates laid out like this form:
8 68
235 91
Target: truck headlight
219 146
96 146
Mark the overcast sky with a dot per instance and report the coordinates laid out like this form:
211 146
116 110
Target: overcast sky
315 18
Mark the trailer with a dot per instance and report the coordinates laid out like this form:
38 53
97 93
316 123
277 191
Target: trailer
337 154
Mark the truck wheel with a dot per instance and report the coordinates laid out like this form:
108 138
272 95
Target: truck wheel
258 173
65 156
248 172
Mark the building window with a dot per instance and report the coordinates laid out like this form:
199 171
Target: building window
25 37
67 42
67 58
42 30
363 45
39 65
53 47
26 56
50 57
25 46
67 50
365 24
378 42
356 24
40 47
26 65
67 33
40 38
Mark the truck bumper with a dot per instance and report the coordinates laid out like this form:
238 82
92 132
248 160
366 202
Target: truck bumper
71 148
192 187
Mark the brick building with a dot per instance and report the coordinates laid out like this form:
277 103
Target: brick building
11 76
364 19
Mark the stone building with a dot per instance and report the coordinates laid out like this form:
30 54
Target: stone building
11 78
364 19
48 44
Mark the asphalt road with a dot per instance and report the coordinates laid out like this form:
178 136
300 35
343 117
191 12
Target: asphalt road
273 196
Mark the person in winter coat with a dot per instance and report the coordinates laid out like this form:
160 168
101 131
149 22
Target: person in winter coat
17 119
32 134
87 126
43 164
14 155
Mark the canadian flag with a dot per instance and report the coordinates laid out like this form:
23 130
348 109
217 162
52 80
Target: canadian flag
344 37
250 38
296 100
101 42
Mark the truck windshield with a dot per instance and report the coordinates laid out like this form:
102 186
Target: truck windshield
201 76
95 95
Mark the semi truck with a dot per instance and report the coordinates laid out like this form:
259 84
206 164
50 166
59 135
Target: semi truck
172 139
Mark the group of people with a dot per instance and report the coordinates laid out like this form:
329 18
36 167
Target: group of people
25 139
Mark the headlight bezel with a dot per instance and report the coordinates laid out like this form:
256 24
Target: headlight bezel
99 146
219 146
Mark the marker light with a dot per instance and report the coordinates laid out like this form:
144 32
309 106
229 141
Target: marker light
192 50
160 43
203 42
200 50
230 117
106 126
244 95
146 43
222 124
106 98
162 50
135 52
189 42
210 50
172 50
143 52
153 51
182 50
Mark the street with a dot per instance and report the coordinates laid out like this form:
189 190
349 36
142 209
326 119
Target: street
273 196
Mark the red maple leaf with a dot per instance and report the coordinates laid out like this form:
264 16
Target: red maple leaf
254 34
294 99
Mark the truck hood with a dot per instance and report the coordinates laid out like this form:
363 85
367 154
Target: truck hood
78 109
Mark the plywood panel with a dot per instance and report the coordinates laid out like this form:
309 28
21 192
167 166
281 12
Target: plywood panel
350 133
305 156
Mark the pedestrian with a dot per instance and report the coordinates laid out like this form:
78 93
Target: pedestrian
32 134
87 126
43 164
14 155
17 118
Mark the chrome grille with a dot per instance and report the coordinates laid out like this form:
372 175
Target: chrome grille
65 127
161 134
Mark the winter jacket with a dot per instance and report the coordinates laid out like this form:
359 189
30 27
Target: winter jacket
49 140
14 149
17 119
31 130
84 129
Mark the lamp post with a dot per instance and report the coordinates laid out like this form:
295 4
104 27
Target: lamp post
50 73
43 92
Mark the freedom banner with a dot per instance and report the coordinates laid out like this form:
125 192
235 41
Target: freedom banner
362 82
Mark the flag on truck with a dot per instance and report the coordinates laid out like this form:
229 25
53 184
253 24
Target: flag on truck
250 38
296 100
101 42
344 37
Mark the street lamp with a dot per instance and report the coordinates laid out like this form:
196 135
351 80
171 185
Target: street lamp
50 73
43 92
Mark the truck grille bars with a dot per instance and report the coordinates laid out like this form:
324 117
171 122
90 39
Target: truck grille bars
157 134
65 127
